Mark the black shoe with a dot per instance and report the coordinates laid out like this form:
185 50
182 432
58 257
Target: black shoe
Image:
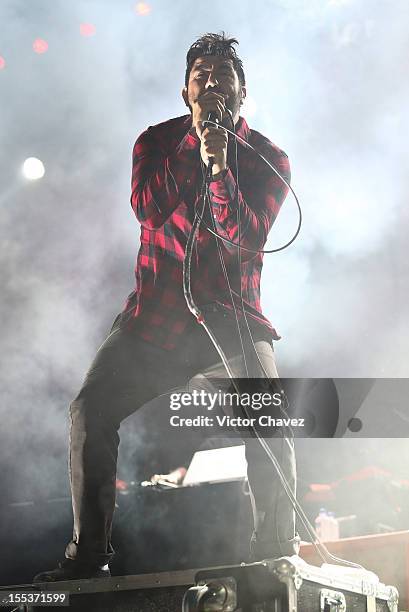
73 570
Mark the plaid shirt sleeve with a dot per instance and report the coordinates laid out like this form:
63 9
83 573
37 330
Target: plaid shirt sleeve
159 181
258 209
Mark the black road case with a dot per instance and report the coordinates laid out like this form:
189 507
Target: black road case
289 584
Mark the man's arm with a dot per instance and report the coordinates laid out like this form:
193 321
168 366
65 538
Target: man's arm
159 181
259 211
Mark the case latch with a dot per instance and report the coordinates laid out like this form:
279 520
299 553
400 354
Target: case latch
332 601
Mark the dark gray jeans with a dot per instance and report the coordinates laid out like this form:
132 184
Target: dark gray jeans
128 372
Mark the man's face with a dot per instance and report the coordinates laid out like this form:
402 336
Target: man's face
215 73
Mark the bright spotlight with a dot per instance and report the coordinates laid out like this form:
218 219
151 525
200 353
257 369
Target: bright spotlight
40 45
33 169
87 29
142 8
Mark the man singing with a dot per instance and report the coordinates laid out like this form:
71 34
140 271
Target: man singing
156 344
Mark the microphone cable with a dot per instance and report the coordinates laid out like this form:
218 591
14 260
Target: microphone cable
270 165
198 219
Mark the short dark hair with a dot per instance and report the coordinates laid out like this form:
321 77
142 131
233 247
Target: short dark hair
215 44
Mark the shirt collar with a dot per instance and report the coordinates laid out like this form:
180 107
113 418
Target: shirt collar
242 129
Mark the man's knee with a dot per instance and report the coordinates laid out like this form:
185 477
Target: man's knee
89 407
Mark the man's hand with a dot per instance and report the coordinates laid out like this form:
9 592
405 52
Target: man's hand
214 144
213 140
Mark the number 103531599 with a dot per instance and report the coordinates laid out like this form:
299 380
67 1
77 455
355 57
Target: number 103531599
37 598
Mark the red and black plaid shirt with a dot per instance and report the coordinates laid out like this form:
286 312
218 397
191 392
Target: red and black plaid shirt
166 182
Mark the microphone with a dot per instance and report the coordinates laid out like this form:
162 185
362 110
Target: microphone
212 116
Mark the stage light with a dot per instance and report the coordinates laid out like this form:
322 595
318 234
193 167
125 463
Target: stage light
33 169
40 45
87 29
142 8
2 63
